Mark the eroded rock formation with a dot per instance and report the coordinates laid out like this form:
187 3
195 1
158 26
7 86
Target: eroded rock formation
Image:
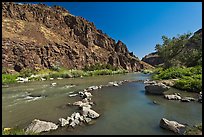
37 36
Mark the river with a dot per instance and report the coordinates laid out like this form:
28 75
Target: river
124 110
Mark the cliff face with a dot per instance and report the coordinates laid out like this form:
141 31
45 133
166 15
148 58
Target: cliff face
38 36
153 59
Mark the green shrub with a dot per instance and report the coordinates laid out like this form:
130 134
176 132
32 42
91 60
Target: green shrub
55 68
99 66
77 73
27 72
194 85
9 78
190 79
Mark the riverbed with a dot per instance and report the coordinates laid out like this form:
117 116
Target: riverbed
124 110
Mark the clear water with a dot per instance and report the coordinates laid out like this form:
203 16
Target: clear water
124 110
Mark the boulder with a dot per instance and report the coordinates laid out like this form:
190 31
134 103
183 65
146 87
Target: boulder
63 122
73 95
87 95
92 88
53 84
187 99
38 126
21 80
172 97
113 84
75 119
81 104
200 97
155 88
87 120
89 112
171 125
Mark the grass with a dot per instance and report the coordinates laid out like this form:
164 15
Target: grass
9 78
147 71
56 73
195 130
16 131
189 79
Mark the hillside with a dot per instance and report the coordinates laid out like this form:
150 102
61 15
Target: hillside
185 50
37 36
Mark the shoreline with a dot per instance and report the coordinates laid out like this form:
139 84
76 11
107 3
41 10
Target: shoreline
51 75
116 85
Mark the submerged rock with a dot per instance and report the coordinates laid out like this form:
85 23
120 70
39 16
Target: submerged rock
38 126
171 125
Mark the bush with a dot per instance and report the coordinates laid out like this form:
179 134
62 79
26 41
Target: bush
190 79
190 84
9 78
27 72
98 66
55 68
77 73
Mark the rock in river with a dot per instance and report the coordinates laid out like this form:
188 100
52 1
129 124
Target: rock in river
155 88
187 99
171 125
63 122
38 126
172 97
90 113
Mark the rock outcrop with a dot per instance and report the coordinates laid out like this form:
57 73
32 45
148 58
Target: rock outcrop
37 36
153 59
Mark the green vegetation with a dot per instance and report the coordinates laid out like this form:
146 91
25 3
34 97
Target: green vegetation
184 50
27 73
147 71
195 130
16 131
63 73
99 66
182 57
56 72
189 79
9 78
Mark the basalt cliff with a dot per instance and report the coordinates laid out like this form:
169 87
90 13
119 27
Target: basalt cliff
37 36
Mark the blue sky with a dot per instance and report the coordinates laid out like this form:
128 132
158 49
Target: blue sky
140 25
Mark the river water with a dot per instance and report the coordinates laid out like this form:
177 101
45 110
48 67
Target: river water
123 110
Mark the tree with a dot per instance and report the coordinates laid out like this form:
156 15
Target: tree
175 52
